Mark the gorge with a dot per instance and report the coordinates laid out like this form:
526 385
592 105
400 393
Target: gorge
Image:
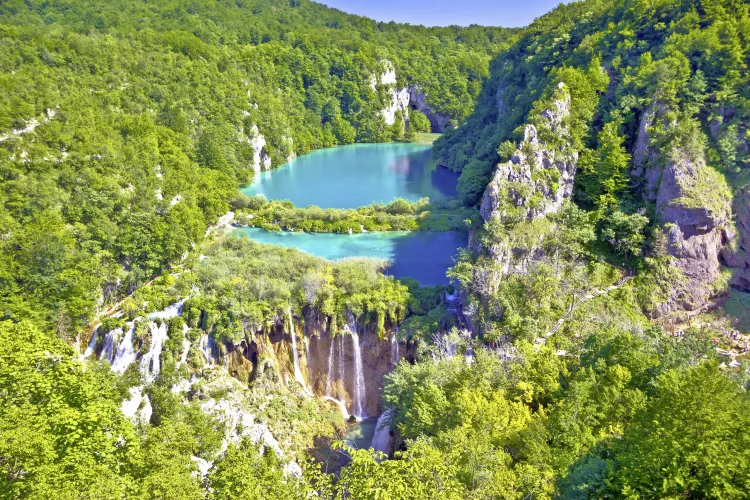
266 249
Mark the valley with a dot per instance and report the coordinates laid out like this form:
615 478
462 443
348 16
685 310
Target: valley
265 249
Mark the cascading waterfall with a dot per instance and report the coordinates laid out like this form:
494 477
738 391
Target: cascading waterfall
297 372
207 346
381 439
151 362
341 405
185 349
329 379
125 352
92 345
359 380
110 340
394 350
342 366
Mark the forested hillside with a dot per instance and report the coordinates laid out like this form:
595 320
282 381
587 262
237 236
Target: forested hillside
594 343
127 127
638 112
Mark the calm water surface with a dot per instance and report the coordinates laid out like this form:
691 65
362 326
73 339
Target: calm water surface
422 255
356 175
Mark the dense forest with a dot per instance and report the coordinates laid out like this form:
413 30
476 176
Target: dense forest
593 344
128 127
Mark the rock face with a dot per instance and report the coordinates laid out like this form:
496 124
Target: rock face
404 99
695 229
258 143
418 101
693 206
645 157
326 356
737 255
539 176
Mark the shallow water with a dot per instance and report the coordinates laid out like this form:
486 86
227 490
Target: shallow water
422 255
356 175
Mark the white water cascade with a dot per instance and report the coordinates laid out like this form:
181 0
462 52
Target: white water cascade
110 340
207 346
151 362
329 378
342 366
394 351
381 440
297 372
359 380
125 353
92 345
185 348
341 405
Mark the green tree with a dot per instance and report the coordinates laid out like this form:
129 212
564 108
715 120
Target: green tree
690 441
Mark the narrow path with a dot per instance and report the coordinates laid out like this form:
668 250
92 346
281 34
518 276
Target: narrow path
540 341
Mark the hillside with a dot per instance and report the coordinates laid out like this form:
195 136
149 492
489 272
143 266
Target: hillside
127 127
593 342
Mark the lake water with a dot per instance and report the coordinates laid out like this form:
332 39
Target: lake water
356 175
422 255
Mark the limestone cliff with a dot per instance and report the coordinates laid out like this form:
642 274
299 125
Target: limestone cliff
539 176
736 254
694 210
418 100
326 355
693 206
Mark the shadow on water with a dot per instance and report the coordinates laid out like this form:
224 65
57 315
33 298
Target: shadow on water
422 255
424 175
425 256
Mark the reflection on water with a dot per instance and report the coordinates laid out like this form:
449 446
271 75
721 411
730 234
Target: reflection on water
356 175
423 255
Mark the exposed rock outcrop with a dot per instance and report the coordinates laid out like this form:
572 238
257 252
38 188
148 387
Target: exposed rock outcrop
405 99
539 176
645 164
693 206
261 157
695 211
736 253
418 101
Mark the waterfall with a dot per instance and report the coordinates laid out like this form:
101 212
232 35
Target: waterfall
329 378
151 362
203 347
109 344
297 372
341 405
92 345
125 353
185 349
342 366
359 380
381 440
394 350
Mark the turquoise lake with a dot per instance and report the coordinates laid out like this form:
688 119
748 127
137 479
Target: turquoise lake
356 175
422 255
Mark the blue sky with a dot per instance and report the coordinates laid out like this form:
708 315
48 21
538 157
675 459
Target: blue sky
447 12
